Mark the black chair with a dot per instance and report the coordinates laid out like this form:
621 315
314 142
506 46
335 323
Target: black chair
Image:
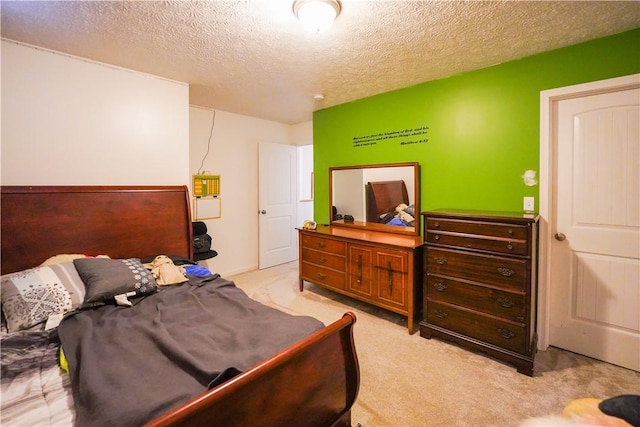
201 242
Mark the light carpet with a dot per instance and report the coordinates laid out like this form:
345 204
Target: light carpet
407 380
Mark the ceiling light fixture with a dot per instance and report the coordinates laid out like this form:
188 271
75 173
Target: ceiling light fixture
316 15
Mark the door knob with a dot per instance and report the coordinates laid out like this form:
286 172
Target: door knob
263 212
560 237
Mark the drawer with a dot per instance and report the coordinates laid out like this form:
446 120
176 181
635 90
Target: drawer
323 244
479 242
324 259
323 276
479 326
480 228
507 305
506 273
360 271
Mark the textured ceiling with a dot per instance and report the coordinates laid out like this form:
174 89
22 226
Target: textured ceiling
252 57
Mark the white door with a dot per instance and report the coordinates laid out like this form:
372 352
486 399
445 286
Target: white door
277 192
594 286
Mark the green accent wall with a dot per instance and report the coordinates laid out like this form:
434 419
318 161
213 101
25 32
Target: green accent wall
483 126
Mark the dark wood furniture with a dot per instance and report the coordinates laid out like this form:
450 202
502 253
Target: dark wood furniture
290 388
40 222
380 268
480 283
383 197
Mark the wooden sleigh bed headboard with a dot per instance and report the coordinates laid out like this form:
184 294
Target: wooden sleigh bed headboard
121 222
383 197
314 382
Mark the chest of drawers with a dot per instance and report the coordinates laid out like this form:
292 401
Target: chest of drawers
480 283
376 267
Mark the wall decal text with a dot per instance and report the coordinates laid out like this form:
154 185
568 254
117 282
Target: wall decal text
403 137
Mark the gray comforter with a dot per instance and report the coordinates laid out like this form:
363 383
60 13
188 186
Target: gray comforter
129 365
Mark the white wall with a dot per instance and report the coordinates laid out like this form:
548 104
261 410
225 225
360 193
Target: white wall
233 154
350 182
69 121
305 184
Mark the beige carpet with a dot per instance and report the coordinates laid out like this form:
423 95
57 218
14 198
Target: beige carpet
407 380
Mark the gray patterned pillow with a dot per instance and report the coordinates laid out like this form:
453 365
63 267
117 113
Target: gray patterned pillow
29 297
105 278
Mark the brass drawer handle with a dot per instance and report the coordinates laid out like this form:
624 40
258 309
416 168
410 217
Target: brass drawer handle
440 286
505 302
507 272
510 231
322 260
441 314
510 246
390 277
322 244
436 237
436 225
322 276
506 333
440 260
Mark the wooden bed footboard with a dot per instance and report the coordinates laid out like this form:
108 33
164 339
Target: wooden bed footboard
313 383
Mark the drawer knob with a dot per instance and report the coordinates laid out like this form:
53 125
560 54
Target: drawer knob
440 260
510 231
440 286
506 272
509 246
436 225
322 276
322 260
505 302
437 237
506 333
322 244
441 314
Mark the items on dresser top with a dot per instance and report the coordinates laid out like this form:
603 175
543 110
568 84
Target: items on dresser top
380 268
480 282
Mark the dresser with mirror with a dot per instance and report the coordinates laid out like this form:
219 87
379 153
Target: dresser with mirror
371 249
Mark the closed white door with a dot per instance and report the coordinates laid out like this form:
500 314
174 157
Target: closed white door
277 189
595 253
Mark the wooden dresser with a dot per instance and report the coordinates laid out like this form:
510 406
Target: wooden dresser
480 283
377 267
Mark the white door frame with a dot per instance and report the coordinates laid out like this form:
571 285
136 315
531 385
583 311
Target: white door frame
548 100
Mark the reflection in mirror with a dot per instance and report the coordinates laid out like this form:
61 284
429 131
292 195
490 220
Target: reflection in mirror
383 197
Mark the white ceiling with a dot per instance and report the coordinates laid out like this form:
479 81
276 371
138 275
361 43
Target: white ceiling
252 57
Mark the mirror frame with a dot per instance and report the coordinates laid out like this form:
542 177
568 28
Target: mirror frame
372 225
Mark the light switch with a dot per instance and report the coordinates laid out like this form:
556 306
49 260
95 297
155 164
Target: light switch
529 204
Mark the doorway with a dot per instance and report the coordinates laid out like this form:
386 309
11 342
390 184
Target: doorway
590 228
277 202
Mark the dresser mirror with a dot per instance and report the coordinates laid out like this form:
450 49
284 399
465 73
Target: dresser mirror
382 197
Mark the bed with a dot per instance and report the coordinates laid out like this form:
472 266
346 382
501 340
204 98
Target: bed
311 379
388 203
